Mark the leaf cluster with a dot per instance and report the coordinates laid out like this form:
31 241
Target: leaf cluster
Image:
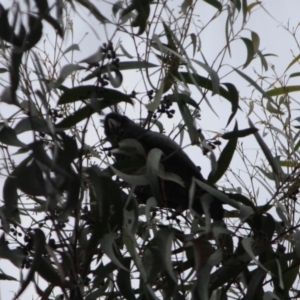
69 212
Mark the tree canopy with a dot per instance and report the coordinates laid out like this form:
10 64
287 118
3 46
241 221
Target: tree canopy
70 216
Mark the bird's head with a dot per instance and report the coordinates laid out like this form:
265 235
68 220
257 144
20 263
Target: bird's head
118 128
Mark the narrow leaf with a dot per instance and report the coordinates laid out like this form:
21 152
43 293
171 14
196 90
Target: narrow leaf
272 161
9 137
292 62
73 47
239 133
153 166
215 4
224 160
234 99
250 51
165 239
283 90
107 245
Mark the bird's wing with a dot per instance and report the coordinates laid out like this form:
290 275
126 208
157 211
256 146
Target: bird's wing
172 151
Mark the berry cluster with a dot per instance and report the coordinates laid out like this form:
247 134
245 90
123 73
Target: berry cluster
212 146
55 114
15 232
150 95
108 52
164 108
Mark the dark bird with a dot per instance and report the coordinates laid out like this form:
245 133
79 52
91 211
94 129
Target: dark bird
175 160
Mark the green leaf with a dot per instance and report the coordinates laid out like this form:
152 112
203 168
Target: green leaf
252 82
40 154
250 51
215 80
6 277
124 280
127 54
116 80
93 58
215 4
295 74
187 117
142 8
255 41
242 199
73 47
244 9
131 179
117 7
55 24
234 99
15 256
35 32
153 164
16 60
30 179
292 62
263 60
255 284
194 42
66 71
102 272
9 137
252 5
185 5
152 263
289 276
217 194
237 4
39 243
248 244
228 31
152 106
283 90
42 6
272 161
224 160
239 133
203 82
108 245
183 97
164 238
46 270
272 109
79 115
93 10
87 91
32 123
10 197
169 35
6 31
133 65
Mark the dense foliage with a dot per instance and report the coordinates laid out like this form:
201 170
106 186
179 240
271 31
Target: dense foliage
69 216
